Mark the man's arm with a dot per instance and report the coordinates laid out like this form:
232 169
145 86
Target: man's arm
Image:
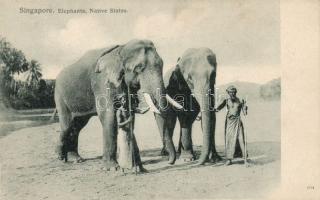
244 107
121 124
141 111
222 105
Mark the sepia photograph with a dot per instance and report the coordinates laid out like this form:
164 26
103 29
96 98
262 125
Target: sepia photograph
204 78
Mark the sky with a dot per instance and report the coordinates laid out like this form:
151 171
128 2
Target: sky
244 34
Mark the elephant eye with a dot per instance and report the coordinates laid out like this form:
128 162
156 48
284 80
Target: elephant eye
139 68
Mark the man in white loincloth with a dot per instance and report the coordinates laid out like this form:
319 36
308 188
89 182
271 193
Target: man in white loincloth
125 140
234 131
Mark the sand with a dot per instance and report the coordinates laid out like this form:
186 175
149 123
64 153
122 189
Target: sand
30 168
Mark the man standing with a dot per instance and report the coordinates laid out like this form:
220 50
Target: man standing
234 131
126 141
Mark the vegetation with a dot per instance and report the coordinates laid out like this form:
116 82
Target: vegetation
34 92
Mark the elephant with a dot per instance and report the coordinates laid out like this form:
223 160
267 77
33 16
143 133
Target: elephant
192 84
89 87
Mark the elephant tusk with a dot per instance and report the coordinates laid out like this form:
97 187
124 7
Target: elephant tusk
150 103
173 102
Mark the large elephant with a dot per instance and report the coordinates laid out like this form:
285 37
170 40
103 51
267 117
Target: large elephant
192 84
89 87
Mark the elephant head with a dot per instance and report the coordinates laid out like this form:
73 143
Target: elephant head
198 68
138 65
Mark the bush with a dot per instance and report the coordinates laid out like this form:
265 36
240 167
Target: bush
32 97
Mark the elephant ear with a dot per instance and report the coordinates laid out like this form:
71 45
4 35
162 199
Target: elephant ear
111 64
177 81
212 60
185 70
99 68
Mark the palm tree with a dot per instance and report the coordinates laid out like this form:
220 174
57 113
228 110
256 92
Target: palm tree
34 73
13 62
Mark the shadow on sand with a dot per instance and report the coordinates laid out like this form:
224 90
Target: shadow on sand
260 153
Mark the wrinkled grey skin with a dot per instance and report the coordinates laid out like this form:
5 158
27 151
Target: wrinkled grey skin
79 88
195 74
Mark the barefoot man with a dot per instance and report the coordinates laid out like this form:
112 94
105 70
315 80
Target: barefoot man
234 131
126 142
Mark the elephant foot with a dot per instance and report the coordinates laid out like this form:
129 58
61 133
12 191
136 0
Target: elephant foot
111 166
171 161
171 155
111 169
172 158
203 160
215 158
62 153
75 157
164 152
187 156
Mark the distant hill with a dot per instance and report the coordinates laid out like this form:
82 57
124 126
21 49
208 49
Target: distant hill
271 90
254 91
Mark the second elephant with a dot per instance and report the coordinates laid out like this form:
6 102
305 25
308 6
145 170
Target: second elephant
192 84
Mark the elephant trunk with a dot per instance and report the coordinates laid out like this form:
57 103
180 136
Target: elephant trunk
162 121
154 86
204 97
208 118
163 125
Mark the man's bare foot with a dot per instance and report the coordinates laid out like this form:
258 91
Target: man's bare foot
141 169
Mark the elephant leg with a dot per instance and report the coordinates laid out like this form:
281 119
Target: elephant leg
163 151
63 143
166 126
180 143
109 126
170 131
168 139
186 143
78 124
65 120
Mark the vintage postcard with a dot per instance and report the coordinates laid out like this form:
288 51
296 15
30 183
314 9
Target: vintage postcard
158 99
